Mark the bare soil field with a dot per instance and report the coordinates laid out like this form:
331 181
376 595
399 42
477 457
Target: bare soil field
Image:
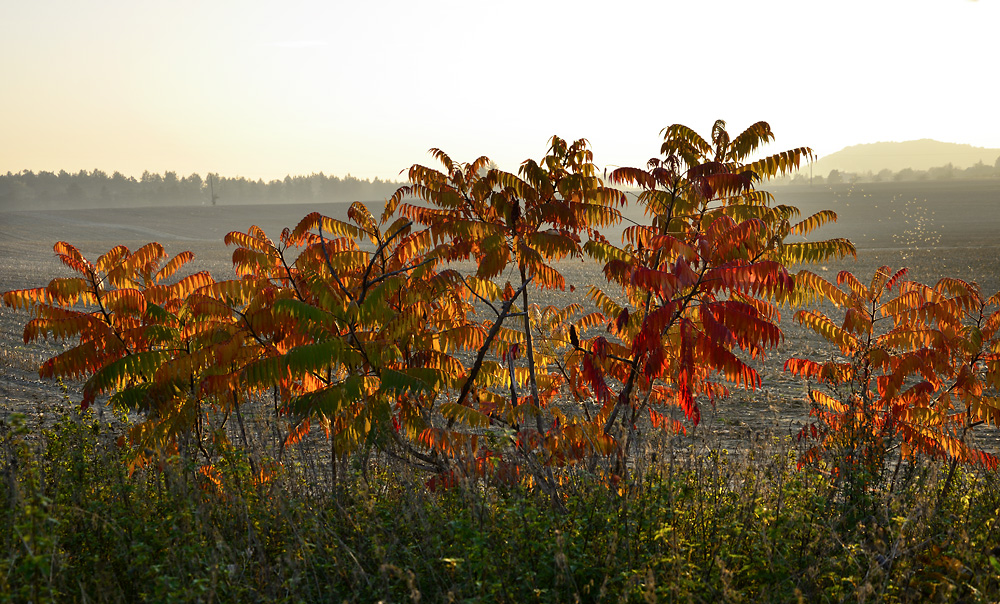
935 229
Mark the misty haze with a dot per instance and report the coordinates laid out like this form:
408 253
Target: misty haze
555 302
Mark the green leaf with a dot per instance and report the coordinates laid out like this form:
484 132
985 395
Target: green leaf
120 373
414 380
330 400
131 399
466 415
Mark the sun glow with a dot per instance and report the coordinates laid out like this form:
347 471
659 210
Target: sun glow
249 89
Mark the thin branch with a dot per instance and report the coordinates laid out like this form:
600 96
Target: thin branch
329 265
486 345
378 251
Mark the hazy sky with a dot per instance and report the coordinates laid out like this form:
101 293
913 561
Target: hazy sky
265 89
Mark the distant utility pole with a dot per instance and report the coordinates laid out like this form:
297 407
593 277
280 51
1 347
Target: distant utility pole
211 187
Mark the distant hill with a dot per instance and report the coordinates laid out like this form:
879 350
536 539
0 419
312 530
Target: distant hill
922 154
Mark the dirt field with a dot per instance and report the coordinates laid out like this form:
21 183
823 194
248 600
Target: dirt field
946 229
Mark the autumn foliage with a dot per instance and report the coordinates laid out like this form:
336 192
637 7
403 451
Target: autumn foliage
377 331
918 369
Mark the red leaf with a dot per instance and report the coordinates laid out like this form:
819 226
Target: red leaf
685 399
622 320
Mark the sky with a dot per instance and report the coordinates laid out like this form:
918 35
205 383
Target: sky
267 89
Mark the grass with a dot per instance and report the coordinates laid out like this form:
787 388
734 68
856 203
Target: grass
689 525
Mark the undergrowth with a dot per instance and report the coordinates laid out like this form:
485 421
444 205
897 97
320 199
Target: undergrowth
690 524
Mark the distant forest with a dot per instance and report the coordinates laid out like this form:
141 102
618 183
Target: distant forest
63 190
978 171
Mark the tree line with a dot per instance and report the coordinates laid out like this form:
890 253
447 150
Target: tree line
949 171
83 189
